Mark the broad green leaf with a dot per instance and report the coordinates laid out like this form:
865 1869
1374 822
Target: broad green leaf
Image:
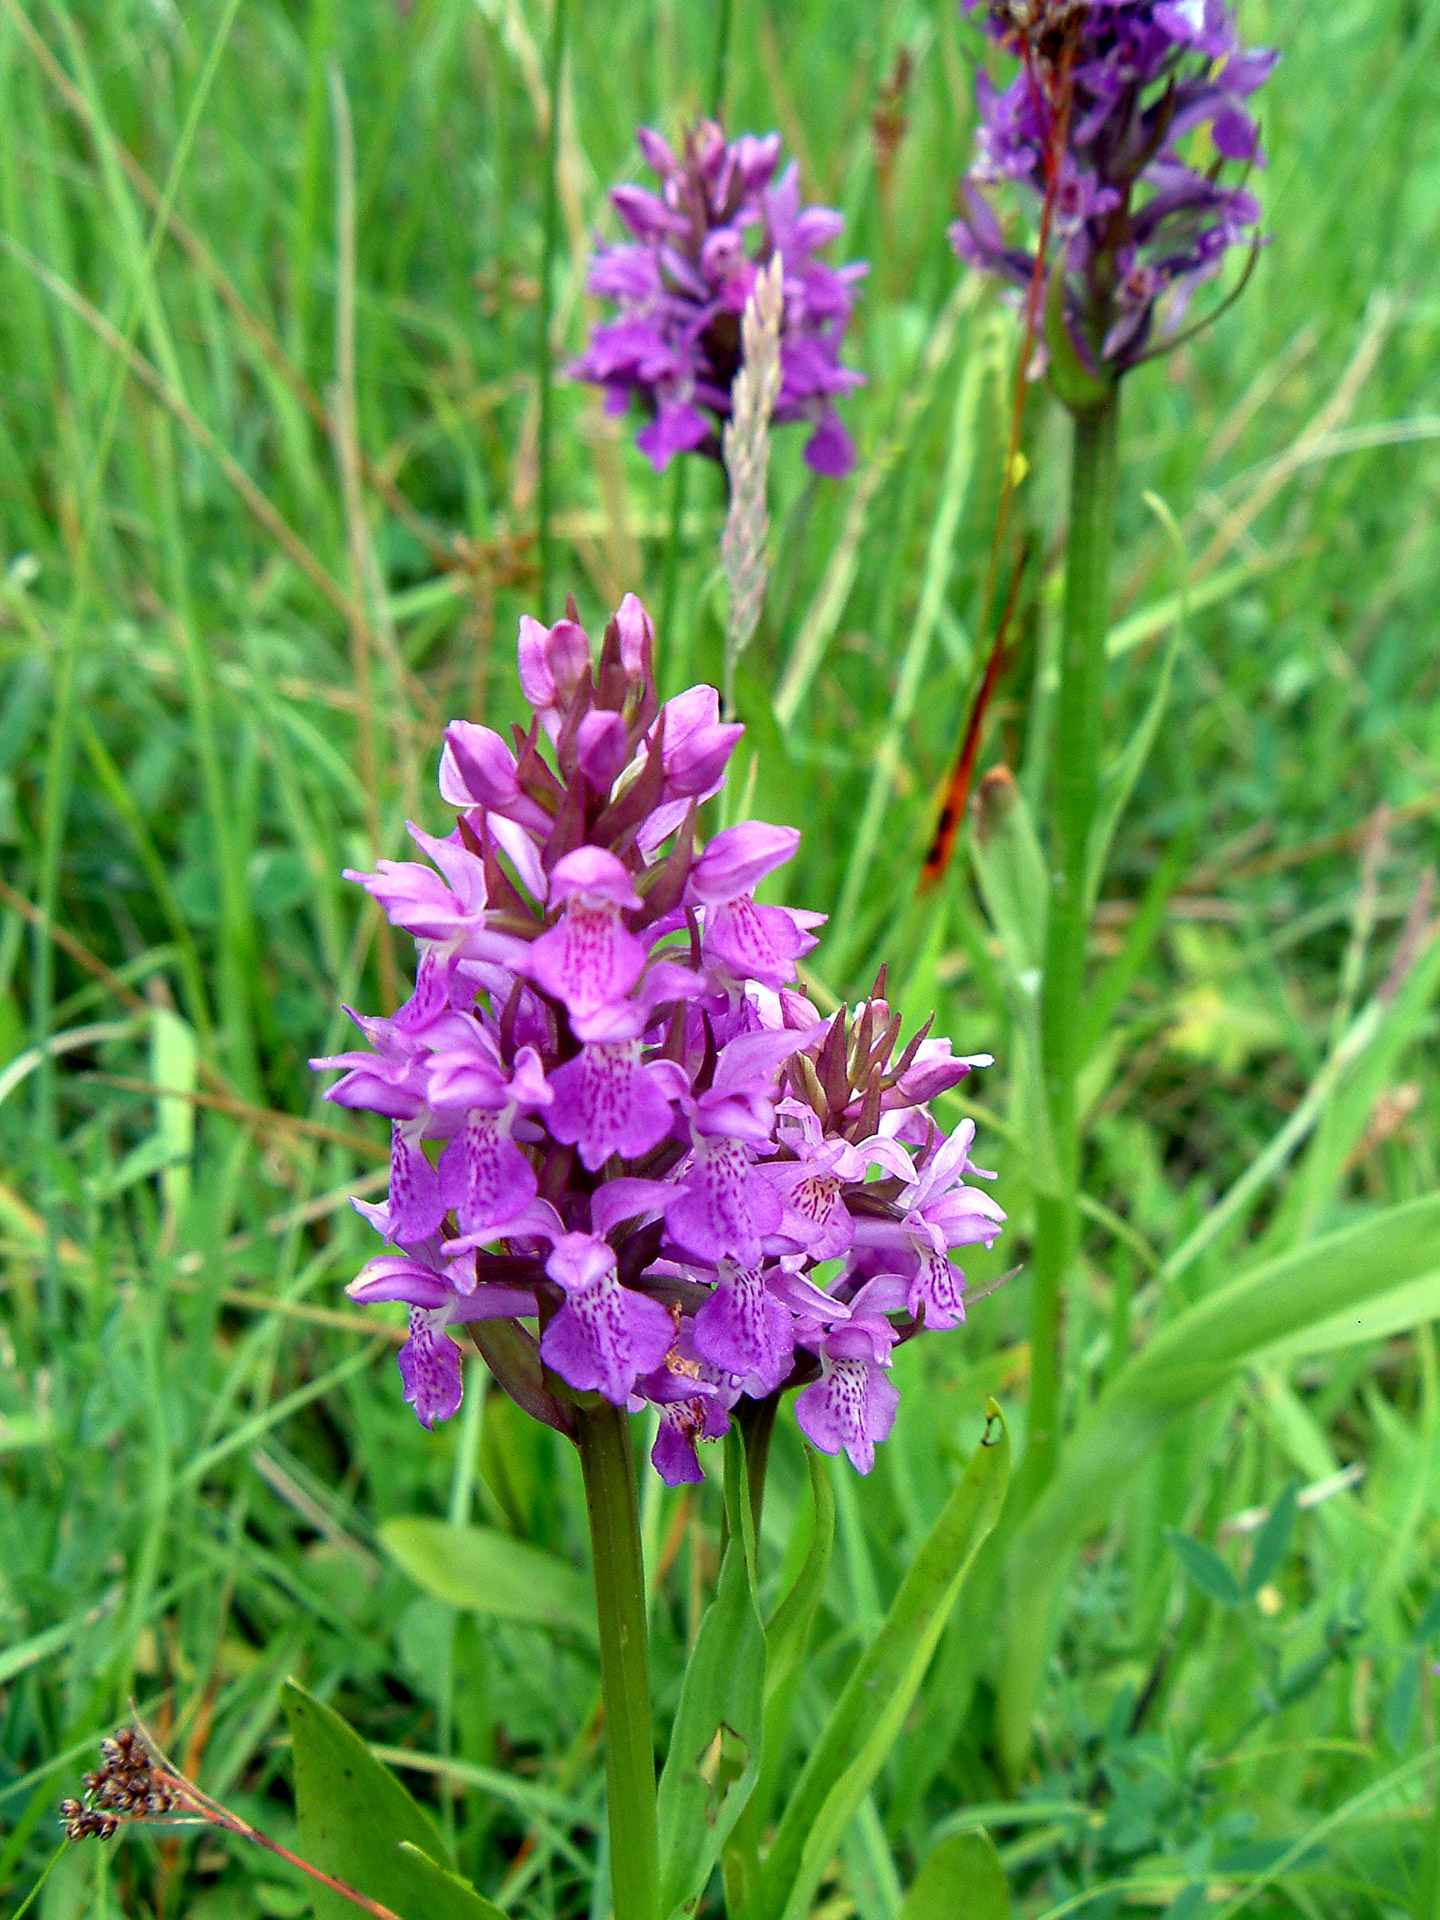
446 1895
1272 1540
1239 1324
962 1880
359 1824
877 1698
488 1572
714 1758
1403 1307
1205 1569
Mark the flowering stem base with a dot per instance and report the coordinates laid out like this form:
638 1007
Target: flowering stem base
607 1459
1075 785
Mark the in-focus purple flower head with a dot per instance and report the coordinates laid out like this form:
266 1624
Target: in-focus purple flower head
1112 94
626 1148
681 283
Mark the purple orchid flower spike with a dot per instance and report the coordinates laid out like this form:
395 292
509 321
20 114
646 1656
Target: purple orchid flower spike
1141 216
618 1122
681 282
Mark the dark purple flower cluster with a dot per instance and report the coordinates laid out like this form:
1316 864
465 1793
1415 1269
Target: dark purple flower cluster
616 1117
1138 224
681 287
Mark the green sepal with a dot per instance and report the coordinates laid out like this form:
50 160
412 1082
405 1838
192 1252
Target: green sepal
358 1823
1071 379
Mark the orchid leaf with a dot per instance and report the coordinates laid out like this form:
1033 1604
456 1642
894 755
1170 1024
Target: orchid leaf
1262 1313
359 1824
962 1880
877 1698
487 1572
714 1757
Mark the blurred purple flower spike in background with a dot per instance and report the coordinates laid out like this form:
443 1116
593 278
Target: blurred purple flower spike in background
618 1122
681 283
1103 116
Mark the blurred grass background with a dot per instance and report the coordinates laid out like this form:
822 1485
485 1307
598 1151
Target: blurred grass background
268 476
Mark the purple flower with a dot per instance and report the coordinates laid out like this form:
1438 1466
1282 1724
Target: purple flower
1140 217
429 1360
590 960
937 1211
681 283
615 1122
610 1100
749 941
746 1329
605 1334
852 1404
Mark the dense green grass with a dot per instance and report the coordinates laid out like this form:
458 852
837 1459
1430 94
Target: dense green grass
244 584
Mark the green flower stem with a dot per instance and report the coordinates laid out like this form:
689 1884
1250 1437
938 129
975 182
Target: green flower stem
1075 781
607 1459
551 242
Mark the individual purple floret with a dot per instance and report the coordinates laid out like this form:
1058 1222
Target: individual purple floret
681 285
1109 103
627 1151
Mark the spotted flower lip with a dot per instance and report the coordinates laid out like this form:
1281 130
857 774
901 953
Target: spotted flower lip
618 1123
1141 217
681 282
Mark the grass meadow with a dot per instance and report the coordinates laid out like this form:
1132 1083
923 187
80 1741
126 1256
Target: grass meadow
270 470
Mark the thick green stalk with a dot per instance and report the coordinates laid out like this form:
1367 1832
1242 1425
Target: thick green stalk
607 1459
551 242
1075 781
